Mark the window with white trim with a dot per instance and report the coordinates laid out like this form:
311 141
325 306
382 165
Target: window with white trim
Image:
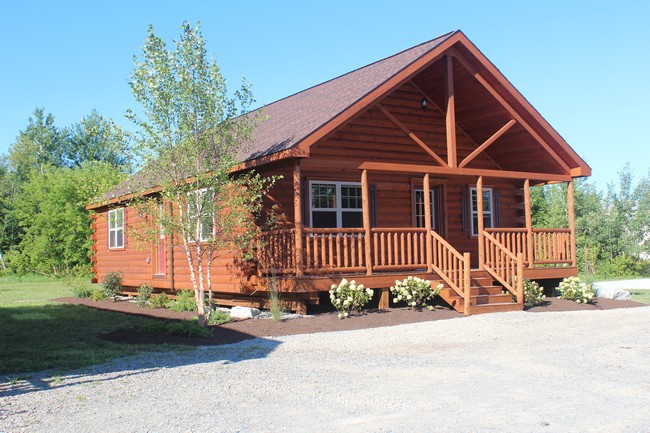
488 209
418 201
201 202
116 228
335 204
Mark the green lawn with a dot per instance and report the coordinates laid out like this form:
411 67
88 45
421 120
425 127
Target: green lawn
640 295
38 334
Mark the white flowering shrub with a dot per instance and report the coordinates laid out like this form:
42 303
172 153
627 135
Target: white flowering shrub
348 297
572 288
533 293
415 291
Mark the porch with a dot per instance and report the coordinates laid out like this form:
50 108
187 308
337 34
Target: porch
309 260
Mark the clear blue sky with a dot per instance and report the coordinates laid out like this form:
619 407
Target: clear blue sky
583 64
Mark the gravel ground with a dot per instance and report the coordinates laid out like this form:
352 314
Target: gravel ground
549 372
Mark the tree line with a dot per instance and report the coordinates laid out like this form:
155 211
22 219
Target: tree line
47 178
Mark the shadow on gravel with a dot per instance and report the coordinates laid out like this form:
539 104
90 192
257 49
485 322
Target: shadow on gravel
142 364
68 345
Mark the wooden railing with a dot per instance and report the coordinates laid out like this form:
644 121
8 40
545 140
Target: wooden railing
453 267
276 252
334 250
397 249
504 266
552 246
514 240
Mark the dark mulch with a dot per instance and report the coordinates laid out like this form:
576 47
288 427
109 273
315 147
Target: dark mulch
240 330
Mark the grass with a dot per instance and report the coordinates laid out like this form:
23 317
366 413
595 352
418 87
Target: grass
38 334
640 295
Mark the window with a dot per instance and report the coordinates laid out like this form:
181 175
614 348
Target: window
201 202
488 214
418 201
335 205
116 228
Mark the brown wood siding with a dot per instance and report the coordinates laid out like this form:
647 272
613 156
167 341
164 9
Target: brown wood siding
136 261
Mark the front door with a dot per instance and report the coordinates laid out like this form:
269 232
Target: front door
418 208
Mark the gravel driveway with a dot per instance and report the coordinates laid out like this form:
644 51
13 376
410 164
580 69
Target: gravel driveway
570 371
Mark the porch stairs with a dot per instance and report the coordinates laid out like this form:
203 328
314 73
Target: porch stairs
485 296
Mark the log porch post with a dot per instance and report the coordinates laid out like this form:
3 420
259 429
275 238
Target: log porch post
365 205
572 221
297 218
427 221
529 225
479 208
450 120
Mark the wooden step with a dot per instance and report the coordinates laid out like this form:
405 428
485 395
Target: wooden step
473 291
481 281
495 308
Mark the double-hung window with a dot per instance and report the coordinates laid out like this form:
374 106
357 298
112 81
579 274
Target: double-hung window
201 209
335 204
487 211
418 200
116 228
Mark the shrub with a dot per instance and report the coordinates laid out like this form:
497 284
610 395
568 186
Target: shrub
159 301
348 297
184 302
82 291
218 317
415 291
183 328
533 293
77 279
98 295
112 283
571 288
144 293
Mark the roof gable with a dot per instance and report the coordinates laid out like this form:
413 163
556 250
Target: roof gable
298 121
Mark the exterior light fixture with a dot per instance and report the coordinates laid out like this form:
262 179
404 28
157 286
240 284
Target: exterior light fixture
425 104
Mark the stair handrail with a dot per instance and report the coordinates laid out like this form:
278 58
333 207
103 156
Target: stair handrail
453 267
505 266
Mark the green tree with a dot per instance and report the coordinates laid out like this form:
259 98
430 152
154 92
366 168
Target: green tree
51 211
96 139
38 146
189 137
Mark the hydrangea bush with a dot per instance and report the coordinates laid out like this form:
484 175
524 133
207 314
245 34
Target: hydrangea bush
572 288
415 291
533 293
348 297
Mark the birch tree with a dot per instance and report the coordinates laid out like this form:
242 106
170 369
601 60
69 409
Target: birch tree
191 134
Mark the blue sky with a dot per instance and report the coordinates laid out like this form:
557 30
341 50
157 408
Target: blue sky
583 64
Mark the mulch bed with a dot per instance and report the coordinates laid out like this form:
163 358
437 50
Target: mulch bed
239 330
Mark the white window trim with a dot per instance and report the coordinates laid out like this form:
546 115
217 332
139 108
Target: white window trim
432 195
472 191
199 233
112 232
339 202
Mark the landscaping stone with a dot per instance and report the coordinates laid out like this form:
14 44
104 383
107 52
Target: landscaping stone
611 292
243 312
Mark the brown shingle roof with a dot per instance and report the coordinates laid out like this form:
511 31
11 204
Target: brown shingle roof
292 119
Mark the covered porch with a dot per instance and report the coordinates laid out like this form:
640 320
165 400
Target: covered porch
310 259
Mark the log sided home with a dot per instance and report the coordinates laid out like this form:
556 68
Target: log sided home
417 164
